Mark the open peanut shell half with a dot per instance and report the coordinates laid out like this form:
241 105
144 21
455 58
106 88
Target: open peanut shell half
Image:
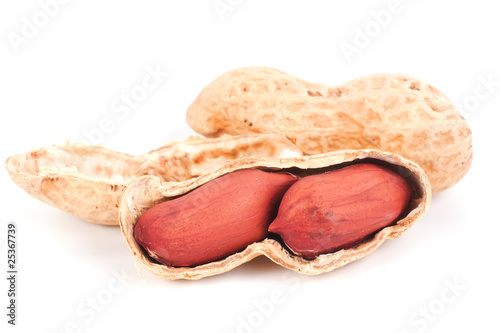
148 191
88 181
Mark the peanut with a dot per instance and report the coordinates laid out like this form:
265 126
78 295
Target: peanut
391 112
338 209
146 192
318 214
215 220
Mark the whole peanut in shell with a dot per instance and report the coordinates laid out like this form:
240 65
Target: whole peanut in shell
391 112
215 220
335 210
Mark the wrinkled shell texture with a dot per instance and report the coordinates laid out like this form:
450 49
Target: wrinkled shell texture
148 191
88 181
391 112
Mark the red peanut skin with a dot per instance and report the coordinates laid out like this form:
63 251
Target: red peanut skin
215 220
335 210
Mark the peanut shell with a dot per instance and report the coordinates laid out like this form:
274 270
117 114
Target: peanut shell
148 191
88 181
391 112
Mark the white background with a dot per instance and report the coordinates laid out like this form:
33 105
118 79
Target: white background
65 78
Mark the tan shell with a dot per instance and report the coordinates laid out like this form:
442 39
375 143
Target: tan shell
147 191
88 181
391 112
